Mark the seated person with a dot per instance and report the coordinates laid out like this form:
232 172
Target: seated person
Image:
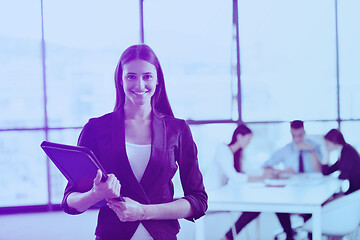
227 170
348 162
226 167
299 156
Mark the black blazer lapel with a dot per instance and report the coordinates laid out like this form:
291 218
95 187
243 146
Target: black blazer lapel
120 162
158 147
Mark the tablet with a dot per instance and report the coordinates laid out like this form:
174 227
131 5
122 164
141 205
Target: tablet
78 164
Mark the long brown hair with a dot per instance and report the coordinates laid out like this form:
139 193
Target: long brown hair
243 130
335 136
159 101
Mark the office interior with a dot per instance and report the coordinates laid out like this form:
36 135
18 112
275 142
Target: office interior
261 62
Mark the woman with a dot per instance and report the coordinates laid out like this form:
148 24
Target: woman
142 145
348 163
228 170
227 166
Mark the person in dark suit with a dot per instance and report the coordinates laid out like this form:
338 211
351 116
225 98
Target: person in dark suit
348 162
142 145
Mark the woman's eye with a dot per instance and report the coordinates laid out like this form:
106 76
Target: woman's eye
130 77
147 77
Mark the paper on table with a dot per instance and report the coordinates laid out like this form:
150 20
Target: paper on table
276 182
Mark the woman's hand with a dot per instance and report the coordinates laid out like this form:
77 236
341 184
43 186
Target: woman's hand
127 211
104 190
100 190
277 174
271 173
286 173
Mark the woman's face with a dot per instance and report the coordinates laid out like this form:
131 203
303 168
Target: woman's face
330 146
139 81
244 140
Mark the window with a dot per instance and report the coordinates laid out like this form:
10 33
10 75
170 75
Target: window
21 81
350 131
288 71
288 64
82 54
193 42
349 58
57 180
23 178
82 51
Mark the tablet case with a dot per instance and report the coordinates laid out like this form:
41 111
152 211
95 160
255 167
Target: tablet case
78 164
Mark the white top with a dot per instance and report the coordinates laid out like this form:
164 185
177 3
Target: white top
139 156
221 171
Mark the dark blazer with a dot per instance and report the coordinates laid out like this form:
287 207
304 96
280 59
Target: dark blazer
349 167
172 148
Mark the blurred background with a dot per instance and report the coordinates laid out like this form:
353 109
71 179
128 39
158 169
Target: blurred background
262 62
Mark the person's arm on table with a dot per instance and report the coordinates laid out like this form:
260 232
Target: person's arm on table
270 172
276 158
256 178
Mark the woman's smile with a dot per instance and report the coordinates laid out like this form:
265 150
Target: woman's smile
140 93
139 81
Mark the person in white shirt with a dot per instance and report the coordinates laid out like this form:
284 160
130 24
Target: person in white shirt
226 167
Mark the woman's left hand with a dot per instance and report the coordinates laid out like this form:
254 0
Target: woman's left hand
127 211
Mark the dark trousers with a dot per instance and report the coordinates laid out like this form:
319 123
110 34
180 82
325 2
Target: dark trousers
247 217
306 216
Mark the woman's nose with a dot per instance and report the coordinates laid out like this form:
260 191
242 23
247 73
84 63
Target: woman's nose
140 83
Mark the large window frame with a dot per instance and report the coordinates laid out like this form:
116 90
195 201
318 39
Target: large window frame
142 39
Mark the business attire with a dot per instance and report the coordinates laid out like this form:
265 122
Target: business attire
172 147
349 166
300 162
289 157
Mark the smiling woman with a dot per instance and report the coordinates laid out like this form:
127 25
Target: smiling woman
142 145
139 82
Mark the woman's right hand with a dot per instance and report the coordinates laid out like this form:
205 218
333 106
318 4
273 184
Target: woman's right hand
270 173
109 189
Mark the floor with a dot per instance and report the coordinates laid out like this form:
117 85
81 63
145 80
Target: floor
60 226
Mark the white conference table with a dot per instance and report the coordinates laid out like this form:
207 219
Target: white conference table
303 193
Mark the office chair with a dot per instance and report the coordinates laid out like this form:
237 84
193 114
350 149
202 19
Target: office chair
340 217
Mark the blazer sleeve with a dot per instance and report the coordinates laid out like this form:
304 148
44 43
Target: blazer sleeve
349 159
85 139
327 170
190 175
